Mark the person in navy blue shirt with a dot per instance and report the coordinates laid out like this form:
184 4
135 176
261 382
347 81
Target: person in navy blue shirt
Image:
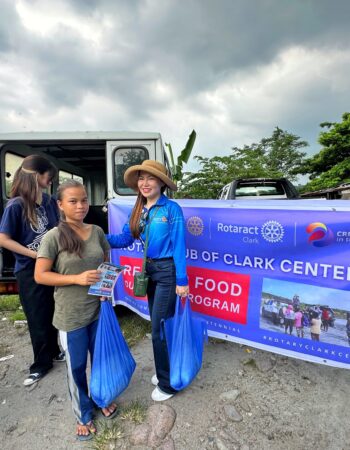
166 255
28 215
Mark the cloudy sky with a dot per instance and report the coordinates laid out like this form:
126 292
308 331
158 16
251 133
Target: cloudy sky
230 69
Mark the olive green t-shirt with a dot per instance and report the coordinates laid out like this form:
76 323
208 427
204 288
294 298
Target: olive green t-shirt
74 308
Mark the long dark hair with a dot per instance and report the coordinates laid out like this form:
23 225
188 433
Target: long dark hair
134 222
25 184
68 239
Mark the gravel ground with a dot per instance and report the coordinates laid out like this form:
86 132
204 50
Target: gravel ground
242 399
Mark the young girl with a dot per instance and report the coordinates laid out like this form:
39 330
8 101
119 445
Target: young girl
27 217
166 262
315 329
67 259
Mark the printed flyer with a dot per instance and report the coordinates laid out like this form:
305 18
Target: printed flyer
109 275
270 274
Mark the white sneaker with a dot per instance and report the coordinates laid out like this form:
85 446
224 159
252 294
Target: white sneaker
160 396
33 378
154 380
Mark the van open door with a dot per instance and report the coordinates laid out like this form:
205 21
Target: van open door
123 154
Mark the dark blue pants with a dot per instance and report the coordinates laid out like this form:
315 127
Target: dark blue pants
161 294
77 344
38 306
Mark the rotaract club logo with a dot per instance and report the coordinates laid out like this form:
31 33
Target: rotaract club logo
195 225
320 234
272 231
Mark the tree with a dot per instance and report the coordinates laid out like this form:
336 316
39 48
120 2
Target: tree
276 156
184 156
331 166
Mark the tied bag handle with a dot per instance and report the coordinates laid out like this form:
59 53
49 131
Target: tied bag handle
146 242
179 310
187 308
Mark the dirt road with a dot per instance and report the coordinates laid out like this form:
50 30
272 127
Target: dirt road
242 399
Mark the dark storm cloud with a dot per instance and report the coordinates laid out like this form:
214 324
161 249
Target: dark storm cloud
193 47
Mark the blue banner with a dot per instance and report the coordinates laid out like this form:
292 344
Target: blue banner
271 274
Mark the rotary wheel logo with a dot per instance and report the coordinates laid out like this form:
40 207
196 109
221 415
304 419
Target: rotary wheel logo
195 225
272 231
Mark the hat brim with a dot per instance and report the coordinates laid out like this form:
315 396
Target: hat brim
131 177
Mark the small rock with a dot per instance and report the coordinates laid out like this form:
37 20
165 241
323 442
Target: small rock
20 323
148 336
59 400
212 429
140 435
265 365
161 418
230 395
232 414
220 445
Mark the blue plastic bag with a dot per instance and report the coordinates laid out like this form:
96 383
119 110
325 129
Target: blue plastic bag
113 364
185 335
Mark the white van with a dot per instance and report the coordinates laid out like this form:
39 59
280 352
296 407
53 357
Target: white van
98 159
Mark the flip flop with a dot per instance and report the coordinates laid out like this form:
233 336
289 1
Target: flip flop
111 415
91 429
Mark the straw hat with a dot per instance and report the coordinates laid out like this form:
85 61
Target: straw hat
150 166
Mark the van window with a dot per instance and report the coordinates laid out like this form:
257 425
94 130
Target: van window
63 176
125 157
12 163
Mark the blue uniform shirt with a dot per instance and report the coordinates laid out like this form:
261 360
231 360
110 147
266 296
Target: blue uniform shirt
20 230
166 236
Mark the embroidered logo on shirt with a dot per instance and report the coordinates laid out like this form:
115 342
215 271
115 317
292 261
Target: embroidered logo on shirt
164 219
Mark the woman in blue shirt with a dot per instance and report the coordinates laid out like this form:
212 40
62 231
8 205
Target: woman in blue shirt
27 217
166 255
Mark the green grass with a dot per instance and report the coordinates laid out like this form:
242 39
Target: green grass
11 306
134 411
17 315
9 302
134 328
107 434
